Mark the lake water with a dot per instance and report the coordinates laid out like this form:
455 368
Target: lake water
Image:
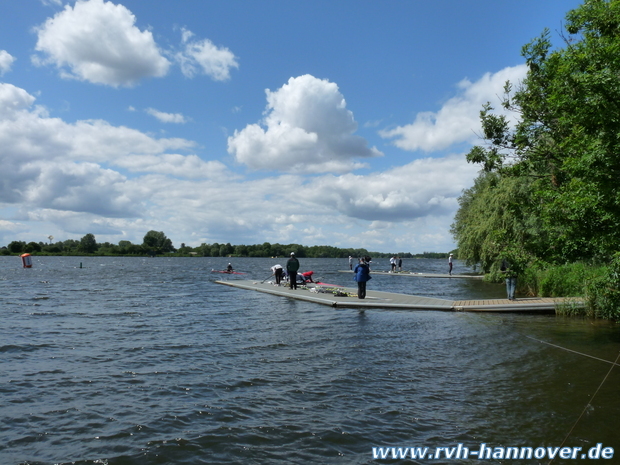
148 361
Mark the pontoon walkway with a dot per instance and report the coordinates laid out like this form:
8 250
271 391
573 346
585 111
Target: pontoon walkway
411 274
378 299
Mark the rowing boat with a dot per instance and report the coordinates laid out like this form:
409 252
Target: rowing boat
226 272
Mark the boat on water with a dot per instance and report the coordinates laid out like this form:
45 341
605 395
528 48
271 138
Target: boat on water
226 272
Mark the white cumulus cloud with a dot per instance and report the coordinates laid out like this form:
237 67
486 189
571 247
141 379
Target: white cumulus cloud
424 187
307 129
184 166
11 226
6 61
167 117
50 164
203 57
459 118
13 99
78 187
97 41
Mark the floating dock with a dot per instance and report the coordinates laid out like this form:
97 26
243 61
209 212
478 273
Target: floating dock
347 298
411 274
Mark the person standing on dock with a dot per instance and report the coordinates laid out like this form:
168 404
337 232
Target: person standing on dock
450 265
362 276
292 266
511 278
350 262
400 264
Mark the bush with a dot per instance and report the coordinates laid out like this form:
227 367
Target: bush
529 283
603 293
567 280
544 280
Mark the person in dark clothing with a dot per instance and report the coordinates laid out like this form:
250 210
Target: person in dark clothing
362 276
511 278
292 266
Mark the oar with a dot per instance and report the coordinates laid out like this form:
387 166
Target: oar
267 278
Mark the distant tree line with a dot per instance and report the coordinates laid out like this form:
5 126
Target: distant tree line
156 243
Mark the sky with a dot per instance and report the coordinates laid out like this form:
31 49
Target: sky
324 122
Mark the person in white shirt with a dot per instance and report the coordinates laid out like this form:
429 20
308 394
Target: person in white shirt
277 272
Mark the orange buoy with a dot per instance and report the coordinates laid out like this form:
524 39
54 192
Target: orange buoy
26 260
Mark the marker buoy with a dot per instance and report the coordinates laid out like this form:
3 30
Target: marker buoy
26 260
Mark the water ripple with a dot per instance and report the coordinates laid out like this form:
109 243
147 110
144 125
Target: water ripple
140 361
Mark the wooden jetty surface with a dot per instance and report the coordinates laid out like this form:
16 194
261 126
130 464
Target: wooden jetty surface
526 304
389 300
411 274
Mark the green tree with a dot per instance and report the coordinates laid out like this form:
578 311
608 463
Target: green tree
495 214
108 249
266 250
185 250
156 241
241 250
215 250
224 250
567 140
130 249
52 248
16 246
70 244
88 244
32 247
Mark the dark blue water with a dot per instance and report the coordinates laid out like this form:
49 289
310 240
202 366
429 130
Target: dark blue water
148 361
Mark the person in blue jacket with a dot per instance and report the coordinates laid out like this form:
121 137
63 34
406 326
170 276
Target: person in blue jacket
362 276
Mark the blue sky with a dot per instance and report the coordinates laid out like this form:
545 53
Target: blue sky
342 123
